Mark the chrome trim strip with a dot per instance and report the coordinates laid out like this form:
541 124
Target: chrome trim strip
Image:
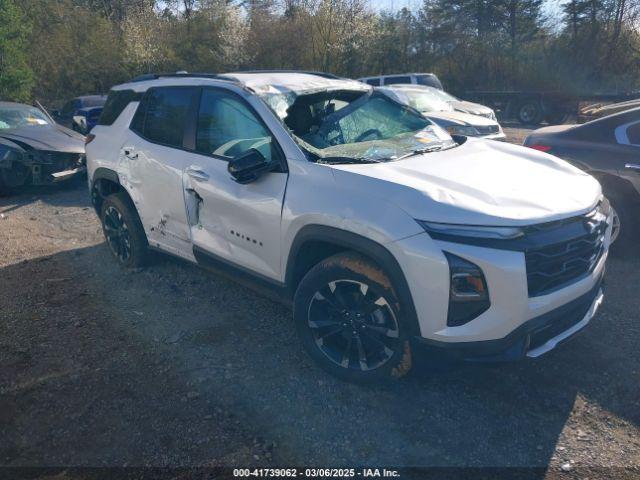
553 342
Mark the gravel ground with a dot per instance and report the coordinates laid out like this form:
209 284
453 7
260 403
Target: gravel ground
173 366
516 133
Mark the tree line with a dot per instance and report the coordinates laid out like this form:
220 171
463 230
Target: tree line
51 50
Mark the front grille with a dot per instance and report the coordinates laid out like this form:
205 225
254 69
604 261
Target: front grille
59 161
487 130
551 266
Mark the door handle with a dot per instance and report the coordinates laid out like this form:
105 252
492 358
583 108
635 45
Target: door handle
197 174
129 153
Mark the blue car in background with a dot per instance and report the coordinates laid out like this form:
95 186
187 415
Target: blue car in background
85 119
80 113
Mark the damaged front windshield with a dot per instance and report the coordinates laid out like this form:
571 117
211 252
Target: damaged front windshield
353 125
17 115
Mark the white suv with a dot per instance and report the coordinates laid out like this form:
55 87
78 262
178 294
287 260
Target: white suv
381 229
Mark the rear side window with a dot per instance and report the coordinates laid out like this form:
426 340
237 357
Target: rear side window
397 79
162 115
374 81
115 104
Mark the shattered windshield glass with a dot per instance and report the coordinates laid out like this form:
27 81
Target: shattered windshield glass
424 99
16 116
347 125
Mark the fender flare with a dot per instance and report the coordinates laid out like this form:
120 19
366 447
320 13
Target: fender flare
359 244
103 173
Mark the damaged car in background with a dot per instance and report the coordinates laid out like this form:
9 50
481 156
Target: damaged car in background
438 107
34 150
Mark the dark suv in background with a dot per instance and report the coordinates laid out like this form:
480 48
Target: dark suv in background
608 149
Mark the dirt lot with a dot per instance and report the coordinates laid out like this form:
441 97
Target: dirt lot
172 366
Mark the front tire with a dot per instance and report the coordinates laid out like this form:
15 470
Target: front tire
347 316
123 231
623 236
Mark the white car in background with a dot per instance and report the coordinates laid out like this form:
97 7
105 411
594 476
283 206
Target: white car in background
430 80
383 232
439 107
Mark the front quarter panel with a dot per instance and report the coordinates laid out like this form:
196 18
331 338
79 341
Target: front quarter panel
314 197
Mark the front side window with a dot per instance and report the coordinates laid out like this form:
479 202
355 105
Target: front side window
227 127
162 115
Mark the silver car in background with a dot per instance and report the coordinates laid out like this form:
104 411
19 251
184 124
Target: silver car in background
440 107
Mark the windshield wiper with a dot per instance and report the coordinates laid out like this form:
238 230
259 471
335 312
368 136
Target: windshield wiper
420 151
339 160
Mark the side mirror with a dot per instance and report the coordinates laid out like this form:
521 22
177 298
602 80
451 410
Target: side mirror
249 166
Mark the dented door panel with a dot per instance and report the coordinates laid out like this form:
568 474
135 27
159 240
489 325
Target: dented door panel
154 173
239 223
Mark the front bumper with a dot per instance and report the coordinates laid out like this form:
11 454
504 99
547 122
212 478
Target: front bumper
495 136
534 337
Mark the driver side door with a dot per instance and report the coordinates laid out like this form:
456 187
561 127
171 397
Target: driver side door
232 222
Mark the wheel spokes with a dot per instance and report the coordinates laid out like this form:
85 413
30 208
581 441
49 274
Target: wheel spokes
353 325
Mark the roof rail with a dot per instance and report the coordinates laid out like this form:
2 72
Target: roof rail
155 76
308 72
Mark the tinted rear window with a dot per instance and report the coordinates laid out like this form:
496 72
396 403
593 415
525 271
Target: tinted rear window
162 115
374 81
115 104
396 80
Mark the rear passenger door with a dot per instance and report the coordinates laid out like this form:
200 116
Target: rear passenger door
152 159
233 222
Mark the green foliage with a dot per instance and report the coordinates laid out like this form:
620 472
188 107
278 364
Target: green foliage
16 78
85 46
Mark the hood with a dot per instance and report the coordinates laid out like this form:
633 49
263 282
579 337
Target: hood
53 138
553 129
446 119
470 107
480 182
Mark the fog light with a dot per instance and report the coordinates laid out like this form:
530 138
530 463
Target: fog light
468 293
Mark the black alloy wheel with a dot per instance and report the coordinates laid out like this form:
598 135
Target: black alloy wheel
353 325
123 230
117 234
348 318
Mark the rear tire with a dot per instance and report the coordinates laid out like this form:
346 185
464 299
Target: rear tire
557 118
530 112
347 317
123 231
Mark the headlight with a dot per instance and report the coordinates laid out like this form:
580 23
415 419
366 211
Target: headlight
462 130
468 292
490 114
444 230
